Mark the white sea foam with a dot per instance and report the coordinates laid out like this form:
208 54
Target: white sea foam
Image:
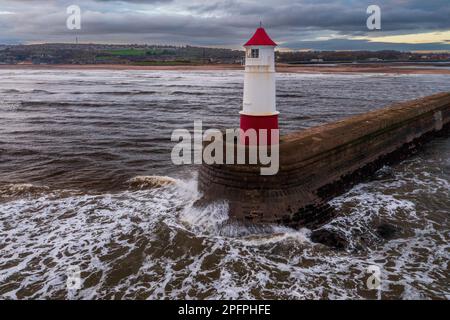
156 242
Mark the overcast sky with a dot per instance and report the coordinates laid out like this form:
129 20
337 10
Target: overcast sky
295 24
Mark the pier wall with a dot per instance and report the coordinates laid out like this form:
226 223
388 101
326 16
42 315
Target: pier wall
319 163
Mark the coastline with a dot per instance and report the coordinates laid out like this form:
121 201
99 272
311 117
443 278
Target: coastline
285 68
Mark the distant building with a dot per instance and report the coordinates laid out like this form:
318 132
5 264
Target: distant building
374 59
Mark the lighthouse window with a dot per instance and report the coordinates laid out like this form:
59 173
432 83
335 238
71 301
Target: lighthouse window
255 53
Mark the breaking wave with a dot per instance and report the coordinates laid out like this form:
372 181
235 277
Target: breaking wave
144 182
21 189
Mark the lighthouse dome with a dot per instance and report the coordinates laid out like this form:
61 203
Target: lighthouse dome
260 38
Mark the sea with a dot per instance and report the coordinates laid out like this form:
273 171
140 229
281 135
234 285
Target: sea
92 207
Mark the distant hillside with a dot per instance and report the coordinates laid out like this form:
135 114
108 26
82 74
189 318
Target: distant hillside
359 56
55 53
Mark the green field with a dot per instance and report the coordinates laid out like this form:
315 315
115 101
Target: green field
137 52
128 52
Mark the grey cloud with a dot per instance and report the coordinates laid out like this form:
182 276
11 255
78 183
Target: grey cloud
345 44
226 23
135 1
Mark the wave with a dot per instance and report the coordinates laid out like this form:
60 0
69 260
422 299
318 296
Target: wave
21 189
290 95
61 104
26 92
149 182
10 106
42 91
177 93
30 192
117 93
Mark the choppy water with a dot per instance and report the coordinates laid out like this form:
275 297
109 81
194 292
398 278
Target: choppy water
86 180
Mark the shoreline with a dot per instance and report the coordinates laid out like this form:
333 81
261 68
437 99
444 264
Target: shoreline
283 68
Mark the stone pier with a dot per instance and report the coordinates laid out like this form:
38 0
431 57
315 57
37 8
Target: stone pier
319 163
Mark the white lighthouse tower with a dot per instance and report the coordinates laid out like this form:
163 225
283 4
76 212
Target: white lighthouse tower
259 107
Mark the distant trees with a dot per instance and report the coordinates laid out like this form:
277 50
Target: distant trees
54 53
341 56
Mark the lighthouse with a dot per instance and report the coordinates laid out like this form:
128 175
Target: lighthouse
259 105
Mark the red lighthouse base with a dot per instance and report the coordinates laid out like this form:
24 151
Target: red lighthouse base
257 123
